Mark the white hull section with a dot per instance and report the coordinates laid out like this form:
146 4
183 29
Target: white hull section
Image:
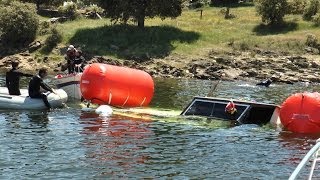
25 102
70 84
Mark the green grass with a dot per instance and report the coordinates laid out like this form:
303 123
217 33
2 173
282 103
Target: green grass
187 34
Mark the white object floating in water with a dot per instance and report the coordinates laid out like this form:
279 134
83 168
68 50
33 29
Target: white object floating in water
104 110
86 109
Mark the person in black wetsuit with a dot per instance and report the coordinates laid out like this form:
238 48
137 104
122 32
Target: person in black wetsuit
265 83
34 87
13 79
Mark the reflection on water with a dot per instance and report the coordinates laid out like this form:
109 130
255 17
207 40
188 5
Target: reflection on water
115 141
69 143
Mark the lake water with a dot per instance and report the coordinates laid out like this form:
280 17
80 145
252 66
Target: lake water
70 143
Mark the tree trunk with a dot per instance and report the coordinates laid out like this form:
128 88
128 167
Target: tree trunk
141 22
38 4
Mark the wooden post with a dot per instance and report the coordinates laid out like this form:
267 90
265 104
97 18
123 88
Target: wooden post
201 14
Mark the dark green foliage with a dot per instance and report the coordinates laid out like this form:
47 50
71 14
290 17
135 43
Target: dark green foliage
197 3
316 19
311 10
38 3
52 40
138 10
18 24
44 27
69 10
223 2
272 11
296 6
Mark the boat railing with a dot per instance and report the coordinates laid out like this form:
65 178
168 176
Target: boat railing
313 153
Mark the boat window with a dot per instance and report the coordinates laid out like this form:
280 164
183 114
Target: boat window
214 109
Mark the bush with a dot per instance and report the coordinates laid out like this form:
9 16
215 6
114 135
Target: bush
311 10
69 10
316 19
312 40
92 11
272 11
44 27
296 6
53 39
18 23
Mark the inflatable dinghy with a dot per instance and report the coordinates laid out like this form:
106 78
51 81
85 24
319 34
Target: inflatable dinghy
24 102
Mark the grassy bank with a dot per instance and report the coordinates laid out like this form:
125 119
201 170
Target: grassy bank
187 35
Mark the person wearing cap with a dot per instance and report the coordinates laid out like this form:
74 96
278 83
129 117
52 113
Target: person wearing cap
70 57
13 78
78 63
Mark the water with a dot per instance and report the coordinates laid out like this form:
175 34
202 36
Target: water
70 143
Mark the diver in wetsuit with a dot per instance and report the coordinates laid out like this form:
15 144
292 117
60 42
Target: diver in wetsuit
265 83
13 79
34 87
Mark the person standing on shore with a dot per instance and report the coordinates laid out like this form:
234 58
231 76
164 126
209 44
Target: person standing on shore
13 78
34 87
70 57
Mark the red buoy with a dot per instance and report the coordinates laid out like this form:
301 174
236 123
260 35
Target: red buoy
301 113
117 86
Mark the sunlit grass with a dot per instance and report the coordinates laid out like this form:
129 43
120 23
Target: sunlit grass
188 34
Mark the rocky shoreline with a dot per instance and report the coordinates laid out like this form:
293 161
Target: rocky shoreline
282 67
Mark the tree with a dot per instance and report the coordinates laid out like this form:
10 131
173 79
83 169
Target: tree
46 2
18 24
272 11
138 10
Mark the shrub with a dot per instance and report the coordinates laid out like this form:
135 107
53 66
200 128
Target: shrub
53 39
92 11
311 10
69 10
44 27
296 6
18 23
312 40
316 19
272 11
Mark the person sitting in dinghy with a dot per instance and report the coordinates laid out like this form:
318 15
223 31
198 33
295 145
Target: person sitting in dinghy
13 78
34 87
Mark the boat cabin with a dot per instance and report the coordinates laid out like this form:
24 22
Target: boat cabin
246 112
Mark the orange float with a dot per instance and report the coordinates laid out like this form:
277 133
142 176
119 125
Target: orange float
300 113
117 86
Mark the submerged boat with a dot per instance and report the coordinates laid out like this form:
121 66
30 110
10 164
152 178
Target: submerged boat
70 83
245 112
26 103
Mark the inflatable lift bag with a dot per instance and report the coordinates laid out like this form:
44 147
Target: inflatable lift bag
117 86
300 113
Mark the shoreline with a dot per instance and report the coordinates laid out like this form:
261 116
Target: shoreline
235 65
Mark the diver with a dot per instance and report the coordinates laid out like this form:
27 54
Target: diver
34 87
265 83
13 79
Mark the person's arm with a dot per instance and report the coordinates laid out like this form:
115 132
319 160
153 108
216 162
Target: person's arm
45 86
24 74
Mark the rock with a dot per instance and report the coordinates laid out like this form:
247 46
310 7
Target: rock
314 64
34 46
